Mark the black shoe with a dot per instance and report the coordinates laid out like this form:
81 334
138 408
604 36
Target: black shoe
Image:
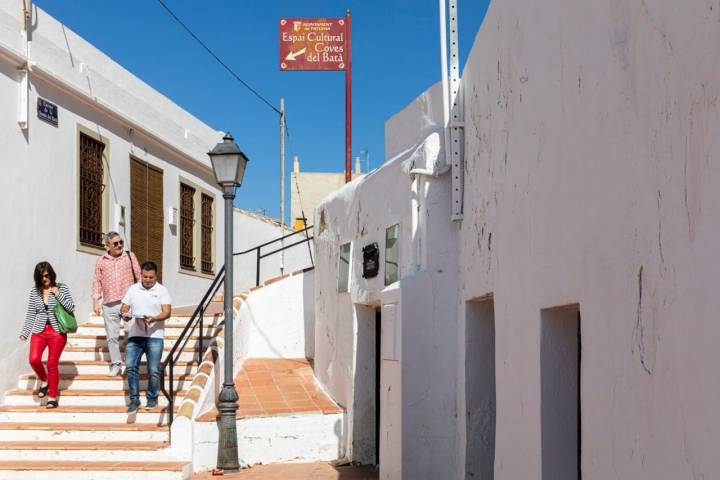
51 404
42 392
133 408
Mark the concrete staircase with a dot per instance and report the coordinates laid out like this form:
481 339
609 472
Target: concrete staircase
90 435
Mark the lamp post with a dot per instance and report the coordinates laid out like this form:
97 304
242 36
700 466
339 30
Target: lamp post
228 163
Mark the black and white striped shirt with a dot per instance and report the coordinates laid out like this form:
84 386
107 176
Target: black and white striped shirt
39 314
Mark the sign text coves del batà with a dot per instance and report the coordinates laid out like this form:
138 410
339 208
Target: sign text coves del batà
313 44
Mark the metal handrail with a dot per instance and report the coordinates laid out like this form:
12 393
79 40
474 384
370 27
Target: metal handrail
197 318
259 256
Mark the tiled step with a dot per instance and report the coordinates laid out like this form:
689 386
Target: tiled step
99 382
101 353
89 470
81 397
80 340
101 367
89 451
174 321
82 431
81 413
93 328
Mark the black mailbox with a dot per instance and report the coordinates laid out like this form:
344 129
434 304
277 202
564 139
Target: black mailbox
371 260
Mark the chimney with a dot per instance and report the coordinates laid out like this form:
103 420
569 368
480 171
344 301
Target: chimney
296 164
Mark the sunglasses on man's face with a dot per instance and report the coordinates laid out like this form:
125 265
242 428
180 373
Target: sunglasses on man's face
117 243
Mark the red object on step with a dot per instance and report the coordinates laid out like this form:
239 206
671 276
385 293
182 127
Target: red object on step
217 472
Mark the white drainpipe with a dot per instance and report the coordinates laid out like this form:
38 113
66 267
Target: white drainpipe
23 110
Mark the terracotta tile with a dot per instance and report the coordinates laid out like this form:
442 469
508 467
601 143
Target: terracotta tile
305 409
274 411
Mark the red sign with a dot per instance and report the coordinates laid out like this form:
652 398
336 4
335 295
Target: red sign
313 44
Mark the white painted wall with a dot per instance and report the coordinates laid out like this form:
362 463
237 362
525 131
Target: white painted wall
252 229
262 440
421 384
39 165
279 323
590 179
592 162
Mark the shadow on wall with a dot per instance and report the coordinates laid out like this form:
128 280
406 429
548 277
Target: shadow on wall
364 412
308 286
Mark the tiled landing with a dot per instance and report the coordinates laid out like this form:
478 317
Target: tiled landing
271 386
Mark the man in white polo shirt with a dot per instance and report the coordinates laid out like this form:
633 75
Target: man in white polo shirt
145 307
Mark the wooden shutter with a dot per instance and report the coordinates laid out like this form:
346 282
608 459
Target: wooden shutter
187 223
206 236
91 190
146 212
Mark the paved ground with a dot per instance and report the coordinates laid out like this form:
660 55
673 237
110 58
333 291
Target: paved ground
297 471
276 386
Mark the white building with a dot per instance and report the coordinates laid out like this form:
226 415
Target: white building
87 147
307 189
565 327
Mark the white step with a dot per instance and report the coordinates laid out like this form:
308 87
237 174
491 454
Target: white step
86 451
98 382
100 353
99 367
172 321
56 470
101 432
170 330
82 398
90 414
79 340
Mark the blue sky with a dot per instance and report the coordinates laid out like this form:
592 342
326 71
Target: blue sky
395 58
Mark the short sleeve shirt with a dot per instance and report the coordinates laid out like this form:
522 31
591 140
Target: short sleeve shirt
146 302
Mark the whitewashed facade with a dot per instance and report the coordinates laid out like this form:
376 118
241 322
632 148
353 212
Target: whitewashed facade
97 98
566 325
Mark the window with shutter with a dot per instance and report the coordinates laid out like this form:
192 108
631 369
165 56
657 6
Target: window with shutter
91 188
187 221
206 235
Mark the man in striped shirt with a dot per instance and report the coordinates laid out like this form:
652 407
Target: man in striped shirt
115 272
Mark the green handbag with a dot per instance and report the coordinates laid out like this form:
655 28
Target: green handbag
66 320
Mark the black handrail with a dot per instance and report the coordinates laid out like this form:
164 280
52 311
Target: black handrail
259 256
197 318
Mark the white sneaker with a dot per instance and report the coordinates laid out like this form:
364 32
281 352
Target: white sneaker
115 370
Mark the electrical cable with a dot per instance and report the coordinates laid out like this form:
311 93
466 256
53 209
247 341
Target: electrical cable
230 70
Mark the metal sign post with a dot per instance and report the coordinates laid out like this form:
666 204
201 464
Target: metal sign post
348 102
321 44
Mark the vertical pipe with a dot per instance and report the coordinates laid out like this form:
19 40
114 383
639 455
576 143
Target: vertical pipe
228 398
348 99
444 69
282 183
202 332
171 404
228 294
257 268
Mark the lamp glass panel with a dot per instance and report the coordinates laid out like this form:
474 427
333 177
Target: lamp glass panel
392 254
225 168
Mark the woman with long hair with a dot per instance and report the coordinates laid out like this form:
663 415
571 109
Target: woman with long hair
40 321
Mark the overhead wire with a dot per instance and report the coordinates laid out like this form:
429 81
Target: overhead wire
219 60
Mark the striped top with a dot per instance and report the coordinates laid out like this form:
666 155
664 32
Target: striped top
38 314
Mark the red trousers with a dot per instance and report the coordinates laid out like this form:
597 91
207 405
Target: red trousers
55 342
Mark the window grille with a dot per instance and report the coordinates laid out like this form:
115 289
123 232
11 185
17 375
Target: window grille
206 236
91 190
187 220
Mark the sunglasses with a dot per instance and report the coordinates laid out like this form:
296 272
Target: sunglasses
45 275
118 243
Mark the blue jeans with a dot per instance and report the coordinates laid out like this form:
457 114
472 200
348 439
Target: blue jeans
152 348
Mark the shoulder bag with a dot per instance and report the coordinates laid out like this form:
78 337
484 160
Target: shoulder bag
66 320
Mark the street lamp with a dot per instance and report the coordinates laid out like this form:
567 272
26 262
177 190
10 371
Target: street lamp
228 163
